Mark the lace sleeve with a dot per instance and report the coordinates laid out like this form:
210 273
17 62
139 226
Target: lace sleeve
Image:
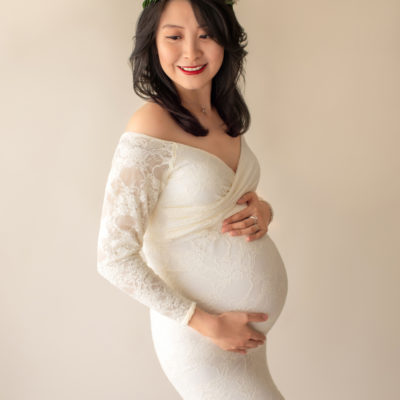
139 170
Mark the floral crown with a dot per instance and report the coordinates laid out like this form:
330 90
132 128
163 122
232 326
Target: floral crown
148 2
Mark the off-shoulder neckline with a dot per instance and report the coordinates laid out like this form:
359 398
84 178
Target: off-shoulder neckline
198 149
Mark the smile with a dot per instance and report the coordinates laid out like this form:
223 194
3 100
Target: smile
193 70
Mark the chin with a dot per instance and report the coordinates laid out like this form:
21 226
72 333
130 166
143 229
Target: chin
192 86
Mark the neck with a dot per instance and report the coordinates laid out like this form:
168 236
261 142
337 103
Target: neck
198 108
197 101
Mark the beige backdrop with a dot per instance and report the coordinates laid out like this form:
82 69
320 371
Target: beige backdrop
323 89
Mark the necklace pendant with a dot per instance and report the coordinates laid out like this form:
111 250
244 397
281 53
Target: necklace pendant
203 110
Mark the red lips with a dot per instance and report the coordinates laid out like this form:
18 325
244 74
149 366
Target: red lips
193 72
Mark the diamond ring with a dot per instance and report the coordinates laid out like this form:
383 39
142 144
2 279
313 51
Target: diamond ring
255 218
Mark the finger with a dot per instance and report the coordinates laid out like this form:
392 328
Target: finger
242 348
246 231
257 335
246 197
237 232
252 344
238 351
239 216
257 235
256 317
245 223
242 215
257 341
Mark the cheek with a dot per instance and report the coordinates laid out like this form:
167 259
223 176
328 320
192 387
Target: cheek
166 56
218 54
164 52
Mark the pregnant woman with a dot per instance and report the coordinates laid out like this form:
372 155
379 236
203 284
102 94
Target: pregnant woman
182 229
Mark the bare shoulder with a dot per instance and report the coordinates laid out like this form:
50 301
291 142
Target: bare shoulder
153 120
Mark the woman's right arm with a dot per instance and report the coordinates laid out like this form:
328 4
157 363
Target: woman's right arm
139 170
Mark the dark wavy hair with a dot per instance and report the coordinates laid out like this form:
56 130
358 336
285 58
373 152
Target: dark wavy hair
151 82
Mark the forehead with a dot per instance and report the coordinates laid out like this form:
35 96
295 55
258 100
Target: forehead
179 13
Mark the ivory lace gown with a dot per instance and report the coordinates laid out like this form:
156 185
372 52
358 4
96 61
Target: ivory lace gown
160 242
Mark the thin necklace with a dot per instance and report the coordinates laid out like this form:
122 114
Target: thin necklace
203 110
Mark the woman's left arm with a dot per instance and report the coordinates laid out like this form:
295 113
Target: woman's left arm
244 223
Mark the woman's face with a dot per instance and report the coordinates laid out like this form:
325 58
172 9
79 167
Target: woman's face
181 42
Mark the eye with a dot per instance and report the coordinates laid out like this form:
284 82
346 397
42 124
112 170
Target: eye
175 37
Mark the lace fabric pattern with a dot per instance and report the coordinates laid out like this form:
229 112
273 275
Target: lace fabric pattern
138 173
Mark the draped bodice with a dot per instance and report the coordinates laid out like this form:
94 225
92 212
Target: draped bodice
201 190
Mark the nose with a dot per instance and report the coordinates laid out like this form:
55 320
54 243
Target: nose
192 50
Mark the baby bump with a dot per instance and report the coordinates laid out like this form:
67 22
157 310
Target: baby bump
227 273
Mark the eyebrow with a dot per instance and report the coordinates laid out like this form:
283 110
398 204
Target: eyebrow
181 27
